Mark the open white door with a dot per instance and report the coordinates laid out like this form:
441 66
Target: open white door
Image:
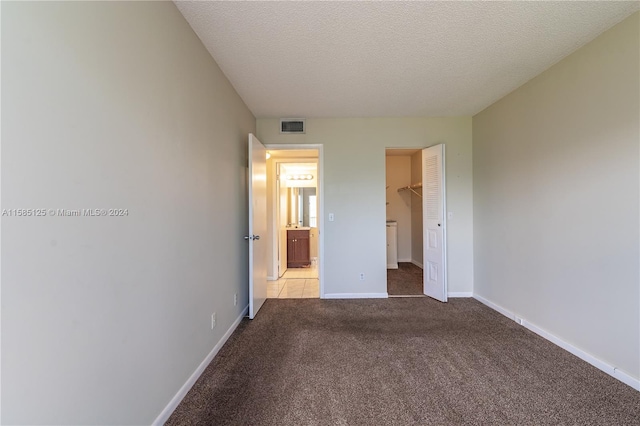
433 223
257 225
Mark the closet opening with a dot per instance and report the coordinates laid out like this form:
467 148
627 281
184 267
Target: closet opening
416 228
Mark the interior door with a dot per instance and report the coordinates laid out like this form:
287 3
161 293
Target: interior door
433 223
257 225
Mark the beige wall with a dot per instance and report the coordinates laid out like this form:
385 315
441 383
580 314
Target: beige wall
398 175
354 179
556 195
115 105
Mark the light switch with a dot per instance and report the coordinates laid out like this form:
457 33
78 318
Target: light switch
331 217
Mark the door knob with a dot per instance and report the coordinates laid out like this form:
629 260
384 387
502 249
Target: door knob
246 237
256 237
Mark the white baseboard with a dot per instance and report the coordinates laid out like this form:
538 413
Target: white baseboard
460 294
418 264
271 278
404 260
495 307
175 401
356 296
392 266
598 363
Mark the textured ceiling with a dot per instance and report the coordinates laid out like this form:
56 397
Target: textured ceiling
358 59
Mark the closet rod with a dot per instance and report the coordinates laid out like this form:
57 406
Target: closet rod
411 188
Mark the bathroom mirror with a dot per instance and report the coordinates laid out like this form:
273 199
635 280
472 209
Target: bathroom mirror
302 207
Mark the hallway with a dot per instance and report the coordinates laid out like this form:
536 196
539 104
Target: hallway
296 283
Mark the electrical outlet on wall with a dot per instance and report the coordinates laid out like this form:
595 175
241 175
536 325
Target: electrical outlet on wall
361 276
235 299
213 320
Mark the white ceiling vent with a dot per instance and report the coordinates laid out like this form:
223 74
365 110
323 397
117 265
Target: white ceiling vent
292 125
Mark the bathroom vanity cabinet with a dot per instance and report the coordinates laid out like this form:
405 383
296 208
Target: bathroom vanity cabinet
298 254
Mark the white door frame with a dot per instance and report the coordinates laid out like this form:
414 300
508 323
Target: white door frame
276 213
320 189
444 219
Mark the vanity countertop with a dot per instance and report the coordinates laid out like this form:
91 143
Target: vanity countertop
300 228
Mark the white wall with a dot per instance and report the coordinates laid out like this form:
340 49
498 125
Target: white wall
354 179
115 105
398 175
556 196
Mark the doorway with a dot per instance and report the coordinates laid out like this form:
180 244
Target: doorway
294 204
416 228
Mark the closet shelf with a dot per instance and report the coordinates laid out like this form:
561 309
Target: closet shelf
412 188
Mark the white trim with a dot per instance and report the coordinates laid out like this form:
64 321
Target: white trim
598 363
271 278
175 401
275 208
392 266
460 294
356 296
408 260
418 264
607 368
445 223
321 201
495 307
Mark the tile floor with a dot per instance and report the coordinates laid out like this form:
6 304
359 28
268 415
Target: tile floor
296 283
306 273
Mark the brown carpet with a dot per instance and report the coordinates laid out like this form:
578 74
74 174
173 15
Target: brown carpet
403 361
406 280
